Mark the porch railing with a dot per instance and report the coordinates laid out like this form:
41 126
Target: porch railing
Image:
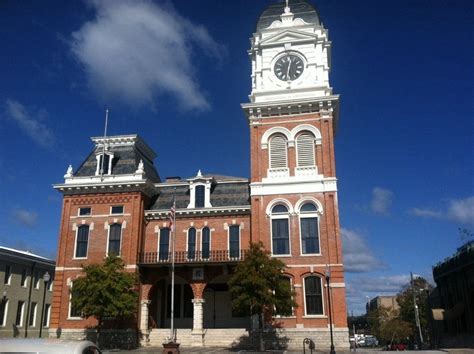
217 256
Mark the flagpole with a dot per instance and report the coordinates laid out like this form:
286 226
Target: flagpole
103 147
172 336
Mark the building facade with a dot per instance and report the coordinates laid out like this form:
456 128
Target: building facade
116 202
25 303
453 310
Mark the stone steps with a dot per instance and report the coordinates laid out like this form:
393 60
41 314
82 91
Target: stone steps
222 337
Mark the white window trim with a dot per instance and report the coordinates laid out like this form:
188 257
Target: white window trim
9 280
270 150
37 280
280 216
85 215
195 243
293 315
97 157
50 284
34 315
22 315
47 315
25 284
298 151
159 239
210 241
192 194
123 210
310 215
88 242
240 239
323 315
69 317
108 236
3 322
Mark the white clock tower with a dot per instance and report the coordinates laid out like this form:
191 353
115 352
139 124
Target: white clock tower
292 116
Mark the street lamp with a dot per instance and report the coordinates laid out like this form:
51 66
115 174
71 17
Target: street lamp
46 279
328 276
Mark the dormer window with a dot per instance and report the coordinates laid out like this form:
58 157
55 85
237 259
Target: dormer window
104 163
200 196
200 191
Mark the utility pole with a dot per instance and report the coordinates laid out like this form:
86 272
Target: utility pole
417 315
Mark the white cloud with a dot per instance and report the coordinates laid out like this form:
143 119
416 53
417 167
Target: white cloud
31 124
25 217
381 200
457 210
357 255
135 51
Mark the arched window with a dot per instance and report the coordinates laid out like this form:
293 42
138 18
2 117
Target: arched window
280 230
115 236
309 229
191 243
278 151
164 245
82 241
313 295
199 196
205 243
305 149
284 290
234 241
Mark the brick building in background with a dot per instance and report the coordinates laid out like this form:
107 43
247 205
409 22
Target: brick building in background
116 203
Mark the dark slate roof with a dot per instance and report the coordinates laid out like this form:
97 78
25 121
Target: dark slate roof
300 8
126 160
222 194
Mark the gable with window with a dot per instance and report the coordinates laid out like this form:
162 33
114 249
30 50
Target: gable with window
82 241
309 228
280 230
104 163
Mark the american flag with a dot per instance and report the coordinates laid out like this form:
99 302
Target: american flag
172 215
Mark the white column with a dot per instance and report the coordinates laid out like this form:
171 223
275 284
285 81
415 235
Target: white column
144 312
198 319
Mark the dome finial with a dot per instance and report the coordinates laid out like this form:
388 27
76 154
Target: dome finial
287 7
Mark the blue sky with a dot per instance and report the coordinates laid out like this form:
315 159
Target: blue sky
176 73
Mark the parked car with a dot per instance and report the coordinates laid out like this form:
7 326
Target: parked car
48 346
371 341
398 346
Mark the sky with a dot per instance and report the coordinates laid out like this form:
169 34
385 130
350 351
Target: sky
176 72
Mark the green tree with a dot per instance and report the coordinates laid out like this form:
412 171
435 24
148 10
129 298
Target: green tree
376 318
395 330
259 288
104 291
421 289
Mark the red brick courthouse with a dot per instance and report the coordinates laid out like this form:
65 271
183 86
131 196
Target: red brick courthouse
115 202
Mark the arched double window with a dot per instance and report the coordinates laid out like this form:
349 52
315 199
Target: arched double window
191 243
82 241
305 149
280 230
205 243
278 151
313 295
309 228
115 237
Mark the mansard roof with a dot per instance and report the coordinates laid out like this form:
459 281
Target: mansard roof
300 8
227 191
128 151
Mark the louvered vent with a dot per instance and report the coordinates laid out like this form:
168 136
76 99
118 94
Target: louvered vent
278 151
305 147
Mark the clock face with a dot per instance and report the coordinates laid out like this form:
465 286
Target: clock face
289 67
